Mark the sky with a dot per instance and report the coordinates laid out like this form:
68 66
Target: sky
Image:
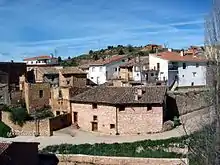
73 27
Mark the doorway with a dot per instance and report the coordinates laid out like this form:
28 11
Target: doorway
94 126
75 117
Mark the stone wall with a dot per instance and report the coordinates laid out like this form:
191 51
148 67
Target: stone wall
36 95
60 122
131 120
29 128
188 101
103 160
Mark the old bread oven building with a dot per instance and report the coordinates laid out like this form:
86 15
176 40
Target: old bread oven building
120 110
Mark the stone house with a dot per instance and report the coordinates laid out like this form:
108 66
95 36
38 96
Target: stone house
36 96
72 77
20 153
120 110
48 75
60 98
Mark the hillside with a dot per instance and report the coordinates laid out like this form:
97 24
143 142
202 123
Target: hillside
128 50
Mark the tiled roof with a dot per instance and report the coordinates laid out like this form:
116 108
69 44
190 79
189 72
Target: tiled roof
174 56
4 146
76 90
121 95
133 62
105 61
37 58
48 70
72 70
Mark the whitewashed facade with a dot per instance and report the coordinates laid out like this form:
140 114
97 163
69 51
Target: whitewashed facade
187 73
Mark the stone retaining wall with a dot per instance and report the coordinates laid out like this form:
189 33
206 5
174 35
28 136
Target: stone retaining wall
104 160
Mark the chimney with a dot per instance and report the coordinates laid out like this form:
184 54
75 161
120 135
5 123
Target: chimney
138 93
182 52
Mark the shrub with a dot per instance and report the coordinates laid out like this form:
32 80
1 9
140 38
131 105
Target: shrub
4 130
42 114
176 121
168 125
19 116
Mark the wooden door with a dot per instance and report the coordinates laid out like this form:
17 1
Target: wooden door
94 126
75 117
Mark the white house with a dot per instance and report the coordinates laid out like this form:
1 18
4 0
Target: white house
105 69
41 61
187 70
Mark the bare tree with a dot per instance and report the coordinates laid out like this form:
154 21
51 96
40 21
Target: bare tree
205 145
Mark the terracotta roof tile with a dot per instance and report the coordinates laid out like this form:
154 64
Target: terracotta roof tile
76 90
174 56
4 146
121 95
48 70
37 58
72 70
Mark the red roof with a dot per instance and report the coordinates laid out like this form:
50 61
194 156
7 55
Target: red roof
38 58
174 56
108 60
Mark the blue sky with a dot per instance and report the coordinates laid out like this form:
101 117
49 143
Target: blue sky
73 27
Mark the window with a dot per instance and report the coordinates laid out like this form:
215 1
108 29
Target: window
67 82
57 113
152 74
1 97
94 106
129 69
149 107
192 84
194 74
41 93
95 117
158 66
112 126
123 60
161 72
137 74
183 75
91 77
121 108
115 69
197 65
184 65
208 64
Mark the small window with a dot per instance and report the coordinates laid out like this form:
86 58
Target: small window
183 75
184 65
121 108
57 113
158 66
95 117
192 84
137 74
123 60
149 107
161 72
41 93
91 77
207 64
94 106
67 82
112 126
152 74
197 65
116 69
194 74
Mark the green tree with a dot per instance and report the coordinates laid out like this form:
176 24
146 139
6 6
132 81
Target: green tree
59 59
90 52
130 48
121 52
19 116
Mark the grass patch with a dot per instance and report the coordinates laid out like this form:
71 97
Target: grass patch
146 148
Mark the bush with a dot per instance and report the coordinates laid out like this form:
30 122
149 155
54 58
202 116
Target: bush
42 114
19 116
149 148
176 121
168 125
4 130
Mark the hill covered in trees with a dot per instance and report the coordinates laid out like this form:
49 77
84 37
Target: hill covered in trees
128 50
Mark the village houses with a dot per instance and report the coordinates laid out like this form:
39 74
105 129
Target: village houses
102 70
120 110
185 70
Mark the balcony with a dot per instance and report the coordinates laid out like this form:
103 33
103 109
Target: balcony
173 67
